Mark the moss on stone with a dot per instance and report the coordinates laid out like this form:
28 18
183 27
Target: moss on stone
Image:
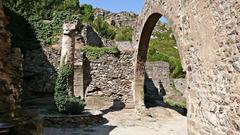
93 53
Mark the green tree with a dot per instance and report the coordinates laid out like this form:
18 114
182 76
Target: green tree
103 28
87 15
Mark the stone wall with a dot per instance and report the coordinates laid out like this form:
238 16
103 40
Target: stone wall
181 85
109 79
207 34
10 72
158 71
90 36
40 70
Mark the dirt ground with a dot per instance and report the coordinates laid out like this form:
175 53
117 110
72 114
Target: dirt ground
159 121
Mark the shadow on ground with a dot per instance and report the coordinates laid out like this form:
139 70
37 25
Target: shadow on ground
118 105
154 97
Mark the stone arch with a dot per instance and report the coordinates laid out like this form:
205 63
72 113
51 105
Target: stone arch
207 35
145 25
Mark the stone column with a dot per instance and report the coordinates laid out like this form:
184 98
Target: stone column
138 84
68 48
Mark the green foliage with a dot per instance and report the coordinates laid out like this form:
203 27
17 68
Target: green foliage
23 36
103 28
41 8
163 48
181 104
93 53
65 103
124 34
175 63
87 15
35 23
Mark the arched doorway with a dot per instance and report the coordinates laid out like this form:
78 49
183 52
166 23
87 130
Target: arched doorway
141 57
164 83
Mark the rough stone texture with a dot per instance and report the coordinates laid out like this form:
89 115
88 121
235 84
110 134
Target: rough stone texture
78 74
40 70
68 51
155 72
207 34
109 78
117 19
85 119
181 85
10 72
90 36
125 46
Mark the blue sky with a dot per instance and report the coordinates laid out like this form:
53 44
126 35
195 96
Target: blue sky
118 5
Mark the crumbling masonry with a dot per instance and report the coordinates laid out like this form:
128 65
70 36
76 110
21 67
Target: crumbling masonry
207 34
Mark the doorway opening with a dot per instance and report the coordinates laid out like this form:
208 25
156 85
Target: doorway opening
164 79
159 77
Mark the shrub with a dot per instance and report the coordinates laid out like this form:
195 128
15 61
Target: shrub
65 103
180 104
124 34
93 53
103 28
87 15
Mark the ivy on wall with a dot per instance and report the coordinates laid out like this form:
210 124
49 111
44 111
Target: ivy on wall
37 23
66 104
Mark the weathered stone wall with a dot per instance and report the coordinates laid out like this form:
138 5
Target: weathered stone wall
10 72
212 63
207 34
158 71
40 70
90 36
109 78
181 85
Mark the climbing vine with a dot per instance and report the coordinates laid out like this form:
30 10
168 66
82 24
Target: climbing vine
65 103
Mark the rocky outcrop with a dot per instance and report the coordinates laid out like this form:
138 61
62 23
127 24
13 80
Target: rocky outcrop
117 19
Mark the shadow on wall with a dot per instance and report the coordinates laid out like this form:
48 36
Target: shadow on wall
39 73
154 96
86 74
117 106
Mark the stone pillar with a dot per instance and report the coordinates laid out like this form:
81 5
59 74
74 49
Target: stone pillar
78 75
68 48
138 85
